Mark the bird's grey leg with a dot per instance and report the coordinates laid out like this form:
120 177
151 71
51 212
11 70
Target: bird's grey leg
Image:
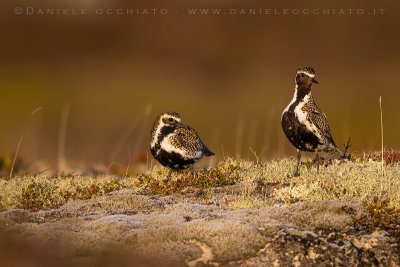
297 173
317 161
169 174
192 171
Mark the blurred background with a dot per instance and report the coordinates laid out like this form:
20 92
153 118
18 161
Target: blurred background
95 82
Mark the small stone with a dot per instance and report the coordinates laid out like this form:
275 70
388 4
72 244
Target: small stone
334 246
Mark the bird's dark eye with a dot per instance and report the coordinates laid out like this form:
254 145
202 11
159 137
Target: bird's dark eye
171 119
302 75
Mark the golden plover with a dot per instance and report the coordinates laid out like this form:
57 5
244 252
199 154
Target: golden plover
303 123
175 145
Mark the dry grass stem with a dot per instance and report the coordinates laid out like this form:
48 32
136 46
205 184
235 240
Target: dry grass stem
61 161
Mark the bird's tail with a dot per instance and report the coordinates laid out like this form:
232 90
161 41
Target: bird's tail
336 151
208 152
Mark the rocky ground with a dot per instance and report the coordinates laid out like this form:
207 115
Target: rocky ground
128 227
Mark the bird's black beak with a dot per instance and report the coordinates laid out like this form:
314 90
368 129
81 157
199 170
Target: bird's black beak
314 81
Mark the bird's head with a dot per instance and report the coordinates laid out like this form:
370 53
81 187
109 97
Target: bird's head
171 119
305 77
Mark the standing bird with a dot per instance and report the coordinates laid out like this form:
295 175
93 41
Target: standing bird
175 145
303 123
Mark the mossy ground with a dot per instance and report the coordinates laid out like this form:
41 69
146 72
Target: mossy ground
261 184
346 211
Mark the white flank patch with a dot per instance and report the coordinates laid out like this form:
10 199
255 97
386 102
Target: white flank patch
155 137
198 155
160 125
291 102
302 117
300 114
168 147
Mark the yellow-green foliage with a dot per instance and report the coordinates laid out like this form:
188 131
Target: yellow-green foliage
221 176
360 180
263 184
39 192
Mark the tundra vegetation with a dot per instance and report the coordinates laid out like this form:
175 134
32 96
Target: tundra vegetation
355 188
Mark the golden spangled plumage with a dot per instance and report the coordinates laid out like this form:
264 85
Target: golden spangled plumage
317 117
174 144
187 139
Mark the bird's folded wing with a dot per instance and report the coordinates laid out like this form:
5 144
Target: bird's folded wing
187 139
319 119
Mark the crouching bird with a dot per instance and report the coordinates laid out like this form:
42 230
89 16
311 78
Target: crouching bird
175 145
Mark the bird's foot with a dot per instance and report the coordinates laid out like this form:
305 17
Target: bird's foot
296 174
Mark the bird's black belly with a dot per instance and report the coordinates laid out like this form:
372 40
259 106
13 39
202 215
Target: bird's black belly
298 134
172 160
